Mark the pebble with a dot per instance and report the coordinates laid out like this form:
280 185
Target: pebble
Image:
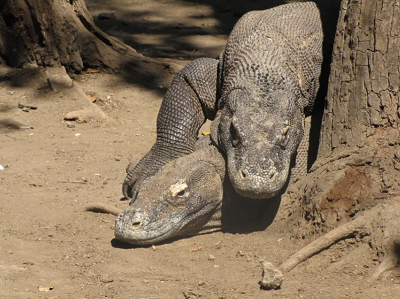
1 167
397 153
106 278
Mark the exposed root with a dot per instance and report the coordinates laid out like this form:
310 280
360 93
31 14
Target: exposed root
344 231
88 111
362 225
100 207
60 82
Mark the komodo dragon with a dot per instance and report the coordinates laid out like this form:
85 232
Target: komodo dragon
258 94
186 196
183 196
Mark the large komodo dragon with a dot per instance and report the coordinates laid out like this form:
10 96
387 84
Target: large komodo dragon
258 94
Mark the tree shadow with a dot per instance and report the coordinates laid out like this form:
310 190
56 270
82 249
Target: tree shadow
154 34
159 33
21 77
396 250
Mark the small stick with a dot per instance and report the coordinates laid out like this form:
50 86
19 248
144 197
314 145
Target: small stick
100 207
390 261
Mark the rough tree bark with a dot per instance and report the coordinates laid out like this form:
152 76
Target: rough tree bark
59 32
358 163
365 79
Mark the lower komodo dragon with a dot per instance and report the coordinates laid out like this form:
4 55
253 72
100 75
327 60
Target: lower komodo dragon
258 94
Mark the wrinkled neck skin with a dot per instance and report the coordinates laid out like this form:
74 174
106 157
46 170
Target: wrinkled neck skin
260 133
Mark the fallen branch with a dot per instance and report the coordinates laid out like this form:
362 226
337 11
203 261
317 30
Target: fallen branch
99 207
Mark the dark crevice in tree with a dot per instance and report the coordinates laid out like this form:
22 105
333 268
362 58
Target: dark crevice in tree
36 25
91 28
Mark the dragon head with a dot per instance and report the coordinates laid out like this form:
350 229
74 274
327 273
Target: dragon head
182 197
260 135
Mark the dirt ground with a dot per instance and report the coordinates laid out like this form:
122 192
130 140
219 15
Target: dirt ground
51 248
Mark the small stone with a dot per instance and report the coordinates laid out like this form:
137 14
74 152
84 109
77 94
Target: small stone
80 120
106 278
397 154
272 277
387 180
211 257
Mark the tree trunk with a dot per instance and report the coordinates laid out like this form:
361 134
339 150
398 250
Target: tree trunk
358 163
60 32
365 79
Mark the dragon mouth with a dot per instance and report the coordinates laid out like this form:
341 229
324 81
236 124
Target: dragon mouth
148 230
144 232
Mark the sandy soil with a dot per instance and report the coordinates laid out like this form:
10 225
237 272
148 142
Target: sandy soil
51 248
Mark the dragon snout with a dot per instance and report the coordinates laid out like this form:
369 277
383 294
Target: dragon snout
136 219
269 175
132 218
258 176
136 223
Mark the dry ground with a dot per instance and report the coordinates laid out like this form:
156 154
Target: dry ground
49 243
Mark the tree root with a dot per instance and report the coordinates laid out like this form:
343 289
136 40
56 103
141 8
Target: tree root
361 225
99 207
344 231
59 81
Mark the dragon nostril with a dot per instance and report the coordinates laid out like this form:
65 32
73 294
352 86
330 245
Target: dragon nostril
136 223
243 174
272 174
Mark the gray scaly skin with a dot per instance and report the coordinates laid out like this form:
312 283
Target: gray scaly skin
259 93
182 197
190 99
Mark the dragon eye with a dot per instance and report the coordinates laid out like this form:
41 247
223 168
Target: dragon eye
235 138
179 189
181 193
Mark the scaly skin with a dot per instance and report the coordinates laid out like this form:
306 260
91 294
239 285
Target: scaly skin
182 197
259 93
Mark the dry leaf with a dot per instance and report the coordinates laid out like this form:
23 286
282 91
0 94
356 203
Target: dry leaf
154 247
206 133
196 249
45 289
